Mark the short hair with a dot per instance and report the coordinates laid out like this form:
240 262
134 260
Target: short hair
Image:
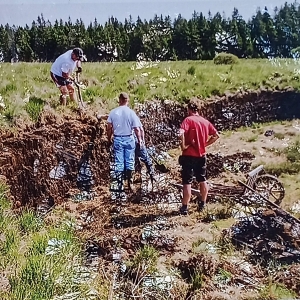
124 96
193 105
79 53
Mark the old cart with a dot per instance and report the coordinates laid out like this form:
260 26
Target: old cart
264 184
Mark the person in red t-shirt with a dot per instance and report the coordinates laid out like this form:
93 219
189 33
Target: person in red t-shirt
196 133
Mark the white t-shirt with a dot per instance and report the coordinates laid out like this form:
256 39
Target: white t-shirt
123 120
64 63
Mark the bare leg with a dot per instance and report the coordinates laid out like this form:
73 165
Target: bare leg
72 93
203 186
187 193
63 96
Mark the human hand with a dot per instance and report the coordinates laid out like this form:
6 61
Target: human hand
70 79
109 143
184 147
142 144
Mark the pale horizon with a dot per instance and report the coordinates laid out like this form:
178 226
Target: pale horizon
22 12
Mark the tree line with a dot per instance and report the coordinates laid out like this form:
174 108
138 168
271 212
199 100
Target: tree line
160 38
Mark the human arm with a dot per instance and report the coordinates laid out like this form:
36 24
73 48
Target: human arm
137 131
212 139
79 67
184 128
213 135
109 130
183 146
142 131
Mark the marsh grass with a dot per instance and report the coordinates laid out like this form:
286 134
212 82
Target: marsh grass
292 163
34 107
34 272
276 291
28 222
176 80
145 258
197 280
252 138
279 135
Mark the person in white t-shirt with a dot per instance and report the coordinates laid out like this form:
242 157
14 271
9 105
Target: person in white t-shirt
122 122
61 73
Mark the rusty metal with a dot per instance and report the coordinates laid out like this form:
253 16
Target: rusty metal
272 204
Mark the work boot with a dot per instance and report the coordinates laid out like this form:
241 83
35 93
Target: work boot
129 179
151 173
183 210
201 205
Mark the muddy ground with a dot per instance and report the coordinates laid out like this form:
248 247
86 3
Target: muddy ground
190 245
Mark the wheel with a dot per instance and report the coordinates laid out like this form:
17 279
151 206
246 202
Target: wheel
270 187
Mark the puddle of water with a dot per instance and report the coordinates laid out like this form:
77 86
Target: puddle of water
211 248
117 255
159 282
242 264
83 196
55 246
90 295
85 177
152 234
59 171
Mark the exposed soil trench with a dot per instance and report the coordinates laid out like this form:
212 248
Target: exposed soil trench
41 163
28 157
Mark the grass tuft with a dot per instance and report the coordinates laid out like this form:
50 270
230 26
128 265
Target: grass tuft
29 222
197 280
191 70
226 59
146 258
34 108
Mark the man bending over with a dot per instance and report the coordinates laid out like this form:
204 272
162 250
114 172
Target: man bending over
61 73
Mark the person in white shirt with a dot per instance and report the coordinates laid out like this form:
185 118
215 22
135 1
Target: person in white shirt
122 122
61 73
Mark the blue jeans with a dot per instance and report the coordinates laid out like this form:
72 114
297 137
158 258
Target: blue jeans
124 153
143 155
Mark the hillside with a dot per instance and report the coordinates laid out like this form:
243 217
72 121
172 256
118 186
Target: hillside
26 88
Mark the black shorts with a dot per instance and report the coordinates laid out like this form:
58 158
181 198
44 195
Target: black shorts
60 81
192 166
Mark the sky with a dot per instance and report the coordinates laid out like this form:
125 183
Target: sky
22 12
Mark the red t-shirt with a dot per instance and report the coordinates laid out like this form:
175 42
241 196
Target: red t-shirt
196 133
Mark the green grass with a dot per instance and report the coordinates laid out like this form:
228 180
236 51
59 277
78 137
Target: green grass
197 281
179 81
282 168
279 135
252 138
34 107
276 291
34 272
145 259
28 222
292 163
